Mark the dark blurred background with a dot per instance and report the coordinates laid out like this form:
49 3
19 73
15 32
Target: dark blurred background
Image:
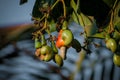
17 60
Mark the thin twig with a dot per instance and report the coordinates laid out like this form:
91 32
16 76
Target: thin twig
64 8
111 26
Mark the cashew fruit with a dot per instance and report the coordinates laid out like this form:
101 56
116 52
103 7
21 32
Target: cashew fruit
58 60
116 60
111 44
37 43
47 52
65 38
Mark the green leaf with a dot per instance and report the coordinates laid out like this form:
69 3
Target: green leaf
98 35
76 45
88 23
75 17
109 2
73 5
84 20
35 12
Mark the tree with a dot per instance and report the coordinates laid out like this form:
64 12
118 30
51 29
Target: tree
99 19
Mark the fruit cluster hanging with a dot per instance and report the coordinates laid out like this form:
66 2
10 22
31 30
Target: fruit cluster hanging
55 15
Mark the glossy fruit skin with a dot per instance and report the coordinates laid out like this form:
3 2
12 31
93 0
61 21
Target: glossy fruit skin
65 38
45 49
111 44
116 60
48 57
47 52
58 60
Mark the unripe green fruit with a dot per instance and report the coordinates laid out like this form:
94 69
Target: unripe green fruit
58 60
37 43
46 50
48 57
67 37
111 44
116 60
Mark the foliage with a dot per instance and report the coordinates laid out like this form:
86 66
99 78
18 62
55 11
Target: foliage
99 19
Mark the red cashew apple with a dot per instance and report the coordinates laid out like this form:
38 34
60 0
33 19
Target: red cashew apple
65 38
